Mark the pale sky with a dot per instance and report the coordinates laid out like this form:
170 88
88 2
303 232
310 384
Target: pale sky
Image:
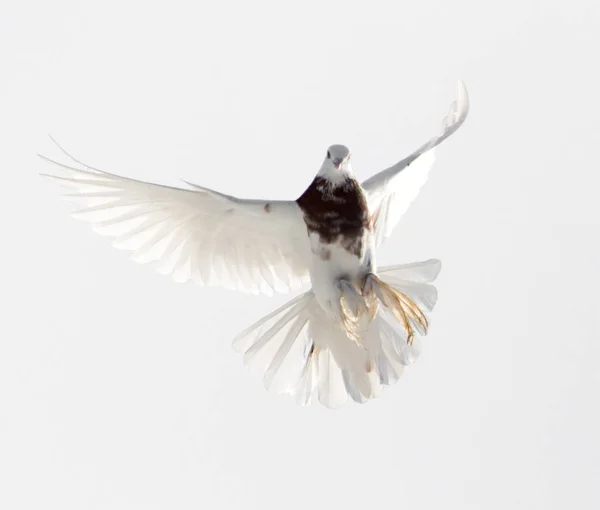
119 388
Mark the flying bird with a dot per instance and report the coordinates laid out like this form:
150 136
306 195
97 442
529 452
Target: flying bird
356 328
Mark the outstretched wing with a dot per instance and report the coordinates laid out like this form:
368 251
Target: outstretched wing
194 234
390 192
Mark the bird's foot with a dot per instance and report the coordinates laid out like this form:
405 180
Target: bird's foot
404 309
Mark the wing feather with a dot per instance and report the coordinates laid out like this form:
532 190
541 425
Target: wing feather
193 234
390 192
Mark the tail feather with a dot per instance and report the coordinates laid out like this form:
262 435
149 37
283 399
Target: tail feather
332 390
352 388
415 281
274 332
418 272
276 363
251 335
308 382
300 350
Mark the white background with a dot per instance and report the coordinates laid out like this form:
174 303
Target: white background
118 387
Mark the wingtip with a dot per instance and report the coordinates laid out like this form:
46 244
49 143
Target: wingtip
49 177
53 140
45 158
462 98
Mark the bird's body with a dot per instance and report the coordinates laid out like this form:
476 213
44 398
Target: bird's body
336 214
355 329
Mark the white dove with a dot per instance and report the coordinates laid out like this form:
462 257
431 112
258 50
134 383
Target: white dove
354 330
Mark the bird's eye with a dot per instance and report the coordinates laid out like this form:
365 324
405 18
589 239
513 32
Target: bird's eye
328 155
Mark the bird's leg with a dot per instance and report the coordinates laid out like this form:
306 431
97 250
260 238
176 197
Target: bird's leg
369 294
350 299
352 307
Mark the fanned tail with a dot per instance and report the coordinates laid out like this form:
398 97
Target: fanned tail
300 350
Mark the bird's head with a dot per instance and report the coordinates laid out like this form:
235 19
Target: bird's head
336 164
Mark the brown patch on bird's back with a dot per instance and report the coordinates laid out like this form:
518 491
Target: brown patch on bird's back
336 212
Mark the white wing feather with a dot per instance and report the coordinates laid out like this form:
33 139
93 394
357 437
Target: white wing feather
200 235
390 192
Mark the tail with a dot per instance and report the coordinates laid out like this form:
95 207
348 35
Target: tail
299 350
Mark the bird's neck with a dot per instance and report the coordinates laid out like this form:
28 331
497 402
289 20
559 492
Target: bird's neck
335 176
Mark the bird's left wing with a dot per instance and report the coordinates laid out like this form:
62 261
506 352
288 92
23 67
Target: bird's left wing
197 234
390 192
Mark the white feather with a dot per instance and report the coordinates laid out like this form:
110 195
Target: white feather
201 235
299 350
390 192
339 339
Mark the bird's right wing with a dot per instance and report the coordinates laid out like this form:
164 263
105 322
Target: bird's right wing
197 234
390 192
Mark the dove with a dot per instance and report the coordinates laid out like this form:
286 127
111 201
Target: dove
356 328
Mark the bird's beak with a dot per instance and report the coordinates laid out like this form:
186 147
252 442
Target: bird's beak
337 162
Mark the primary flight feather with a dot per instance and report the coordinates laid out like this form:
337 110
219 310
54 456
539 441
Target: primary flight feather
355 329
